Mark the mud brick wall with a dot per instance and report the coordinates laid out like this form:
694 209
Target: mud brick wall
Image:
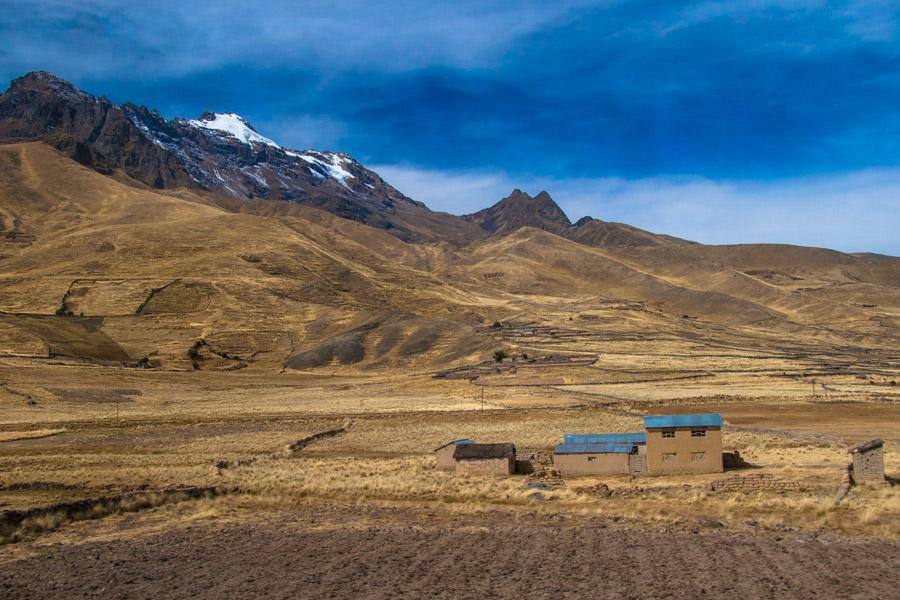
868 466
486 466
753 483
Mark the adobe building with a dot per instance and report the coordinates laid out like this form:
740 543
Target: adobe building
684 444
485 459
868 462
601 454
443 455
575 460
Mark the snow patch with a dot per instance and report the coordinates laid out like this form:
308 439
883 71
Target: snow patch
233 125
256 177
326 163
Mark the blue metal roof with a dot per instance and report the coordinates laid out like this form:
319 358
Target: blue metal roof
462 441
593 449
638 437
701 420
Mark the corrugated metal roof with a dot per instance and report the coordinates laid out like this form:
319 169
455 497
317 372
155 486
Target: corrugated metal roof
593 449
870 445
455 443
638 437
700 420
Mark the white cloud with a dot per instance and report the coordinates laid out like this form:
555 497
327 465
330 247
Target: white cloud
853 212
101 38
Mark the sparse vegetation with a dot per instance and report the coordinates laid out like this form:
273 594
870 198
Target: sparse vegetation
499 355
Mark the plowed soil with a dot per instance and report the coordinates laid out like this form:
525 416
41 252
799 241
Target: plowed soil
532 561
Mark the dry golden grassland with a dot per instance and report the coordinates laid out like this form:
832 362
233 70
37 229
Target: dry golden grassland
168 440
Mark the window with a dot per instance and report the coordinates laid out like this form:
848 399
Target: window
668 433
698 433
698 456
592 458
668 457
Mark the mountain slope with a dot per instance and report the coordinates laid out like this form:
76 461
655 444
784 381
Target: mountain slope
107 271
219 152
153 274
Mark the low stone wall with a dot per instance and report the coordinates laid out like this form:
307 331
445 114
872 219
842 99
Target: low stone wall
302 443
95 508
846 484
753 483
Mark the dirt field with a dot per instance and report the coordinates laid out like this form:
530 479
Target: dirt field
468 556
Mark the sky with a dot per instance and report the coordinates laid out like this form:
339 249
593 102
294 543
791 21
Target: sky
722 122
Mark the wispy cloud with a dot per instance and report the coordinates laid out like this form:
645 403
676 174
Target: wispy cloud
713 120
852 212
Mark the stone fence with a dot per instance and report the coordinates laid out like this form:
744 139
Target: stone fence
753 483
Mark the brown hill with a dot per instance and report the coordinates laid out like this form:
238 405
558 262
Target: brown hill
108 270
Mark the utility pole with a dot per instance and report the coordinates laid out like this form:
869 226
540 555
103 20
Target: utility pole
482 398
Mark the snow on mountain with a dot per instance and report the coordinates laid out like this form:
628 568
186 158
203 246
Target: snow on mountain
217 152
234 125
331 167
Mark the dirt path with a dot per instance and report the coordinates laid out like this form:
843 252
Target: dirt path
272 560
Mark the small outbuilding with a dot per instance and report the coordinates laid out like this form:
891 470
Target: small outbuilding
597 458
485 459
868 462
443 455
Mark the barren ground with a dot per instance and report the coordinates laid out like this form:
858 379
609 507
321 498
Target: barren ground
390 553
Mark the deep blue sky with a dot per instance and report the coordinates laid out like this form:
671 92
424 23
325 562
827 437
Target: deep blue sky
720 121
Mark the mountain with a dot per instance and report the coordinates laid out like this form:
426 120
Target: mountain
521 210
219 152
224 155
541 212
108 271
129 239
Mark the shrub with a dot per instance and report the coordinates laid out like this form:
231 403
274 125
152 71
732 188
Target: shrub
499 355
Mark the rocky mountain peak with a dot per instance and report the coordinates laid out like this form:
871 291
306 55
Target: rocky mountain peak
521 210
47 83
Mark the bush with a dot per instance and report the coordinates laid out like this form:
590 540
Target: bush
499 355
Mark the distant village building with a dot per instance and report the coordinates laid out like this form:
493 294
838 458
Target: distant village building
601 454
443 455
684 444
868 462
485 459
